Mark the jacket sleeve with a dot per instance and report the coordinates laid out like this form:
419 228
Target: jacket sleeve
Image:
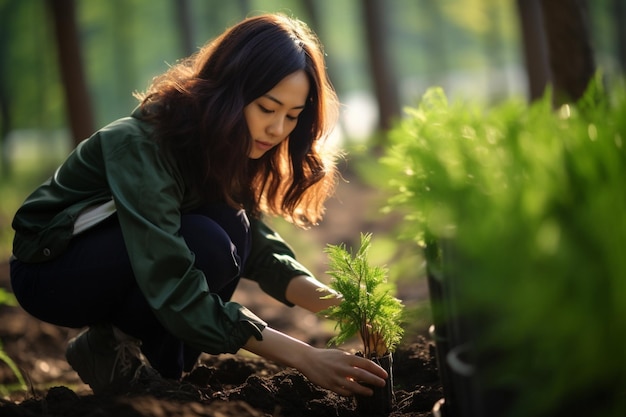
148 191
271 263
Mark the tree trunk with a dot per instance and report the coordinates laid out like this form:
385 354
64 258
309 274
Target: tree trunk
312 13
125 81
5 115
314 21
569 45
184 24
619 16
244 7
5 126
495 52
534 46
380 62
78 104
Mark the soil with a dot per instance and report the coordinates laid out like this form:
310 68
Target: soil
224 385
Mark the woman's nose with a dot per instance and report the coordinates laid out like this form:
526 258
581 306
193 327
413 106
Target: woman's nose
276 127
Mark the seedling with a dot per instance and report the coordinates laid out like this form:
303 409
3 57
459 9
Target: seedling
368 309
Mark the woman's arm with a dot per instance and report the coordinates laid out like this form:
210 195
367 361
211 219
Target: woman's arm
332 369
307 292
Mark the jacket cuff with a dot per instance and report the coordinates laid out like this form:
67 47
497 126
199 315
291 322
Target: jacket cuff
247 325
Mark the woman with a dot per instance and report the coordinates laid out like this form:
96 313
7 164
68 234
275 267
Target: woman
144 231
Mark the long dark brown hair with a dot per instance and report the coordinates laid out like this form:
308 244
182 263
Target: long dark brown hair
197 108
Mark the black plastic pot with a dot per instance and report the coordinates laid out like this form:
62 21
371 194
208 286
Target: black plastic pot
383 400
469 391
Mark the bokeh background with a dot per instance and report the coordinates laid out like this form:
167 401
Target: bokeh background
473 48
68 67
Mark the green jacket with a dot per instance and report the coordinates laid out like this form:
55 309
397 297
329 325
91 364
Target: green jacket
121 162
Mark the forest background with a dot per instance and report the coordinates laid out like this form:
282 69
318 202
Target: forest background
68 67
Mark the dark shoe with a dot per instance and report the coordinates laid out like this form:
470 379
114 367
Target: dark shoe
106 359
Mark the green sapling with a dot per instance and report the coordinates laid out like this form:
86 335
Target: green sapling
368 307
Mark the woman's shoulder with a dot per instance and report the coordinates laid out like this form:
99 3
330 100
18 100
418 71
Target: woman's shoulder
126 127
123 135
128 145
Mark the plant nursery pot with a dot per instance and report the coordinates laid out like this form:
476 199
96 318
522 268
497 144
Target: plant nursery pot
382 401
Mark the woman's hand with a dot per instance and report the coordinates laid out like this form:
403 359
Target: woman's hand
342 372
332 369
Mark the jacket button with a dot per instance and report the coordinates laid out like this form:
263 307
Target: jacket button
46 252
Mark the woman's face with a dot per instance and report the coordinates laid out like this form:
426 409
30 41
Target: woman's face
274 115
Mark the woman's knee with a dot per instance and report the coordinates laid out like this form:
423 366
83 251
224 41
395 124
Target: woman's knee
215 253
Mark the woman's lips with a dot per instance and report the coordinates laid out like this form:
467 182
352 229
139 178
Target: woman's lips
263 145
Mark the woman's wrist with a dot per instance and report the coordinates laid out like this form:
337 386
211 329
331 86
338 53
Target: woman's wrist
280 348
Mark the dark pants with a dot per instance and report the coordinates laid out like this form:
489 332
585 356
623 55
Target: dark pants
92 282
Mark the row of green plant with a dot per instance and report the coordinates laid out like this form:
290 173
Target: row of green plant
533 200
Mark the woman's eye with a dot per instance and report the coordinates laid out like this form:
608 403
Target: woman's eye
270 111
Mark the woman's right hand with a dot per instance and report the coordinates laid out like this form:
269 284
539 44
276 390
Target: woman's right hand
342 372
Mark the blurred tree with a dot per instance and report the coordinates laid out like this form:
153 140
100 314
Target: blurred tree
244 7
383 76
570 53
5 126
184 25
619 14
123 70
314 21
534 47
557 47
312 13
495 53
80 116
5 116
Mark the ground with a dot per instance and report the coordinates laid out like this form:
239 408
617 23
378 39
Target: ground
226 385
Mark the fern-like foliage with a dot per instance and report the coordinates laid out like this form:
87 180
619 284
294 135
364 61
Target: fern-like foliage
368 307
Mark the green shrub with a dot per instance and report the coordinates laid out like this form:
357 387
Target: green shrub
534 201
